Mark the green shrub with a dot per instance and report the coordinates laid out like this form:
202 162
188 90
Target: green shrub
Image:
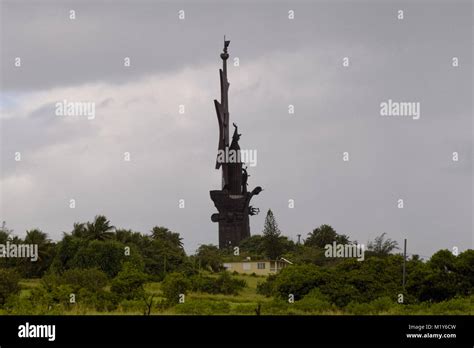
17 305
314 301
103 301
90 279
267 288
342 292
202 283
458 306
299 280
173 286
108 256
128 284
8 284
228 285
223 284
52 296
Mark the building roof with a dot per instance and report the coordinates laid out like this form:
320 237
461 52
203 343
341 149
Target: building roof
262 260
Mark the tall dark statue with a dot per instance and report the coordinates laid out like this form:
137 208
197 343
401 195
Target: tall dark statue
233 200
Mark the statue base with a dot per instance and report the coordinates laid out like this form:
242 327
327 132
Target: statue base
233 217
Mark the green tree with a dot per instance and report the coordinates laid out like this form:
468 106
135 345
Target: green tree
465 271
107 256
254 245
167 236
79 230
66 251
124 236
209 257
308 254
99 229
46 250
323 235
6 236
439 280
271 237
163 253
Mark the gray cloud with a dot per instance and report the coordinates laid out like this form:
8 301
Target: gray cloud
281 62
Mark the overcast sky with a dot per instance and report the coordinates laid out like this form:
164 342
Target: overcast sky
281 61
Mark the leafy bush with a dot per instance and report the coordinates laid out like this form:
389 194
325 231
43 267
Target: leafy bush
52 294
8 284
128 284
223 284
202 283
17 305
103 301
173 286
347 281
228 285
313 302
299 280
267 288
90 279
342 292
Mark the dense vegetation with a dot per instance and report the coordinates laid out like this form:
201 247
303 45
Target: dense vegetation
97 268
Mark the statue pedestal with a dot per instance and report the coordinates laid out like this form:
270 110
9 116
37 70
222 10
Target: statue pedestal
233 217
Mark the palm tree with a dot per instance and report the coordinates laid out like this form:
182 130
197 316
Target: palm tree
41 239
99 229
124 236
164 234
36 236
79 230
381 247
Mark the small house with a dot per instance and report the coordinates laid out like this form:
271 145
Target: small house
259 267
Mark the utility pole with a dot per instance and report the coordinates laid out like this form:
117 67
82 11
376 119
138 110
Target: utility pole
299 236
404 261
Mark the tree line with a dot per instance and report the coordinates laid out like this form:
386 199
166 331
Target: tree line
95 255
